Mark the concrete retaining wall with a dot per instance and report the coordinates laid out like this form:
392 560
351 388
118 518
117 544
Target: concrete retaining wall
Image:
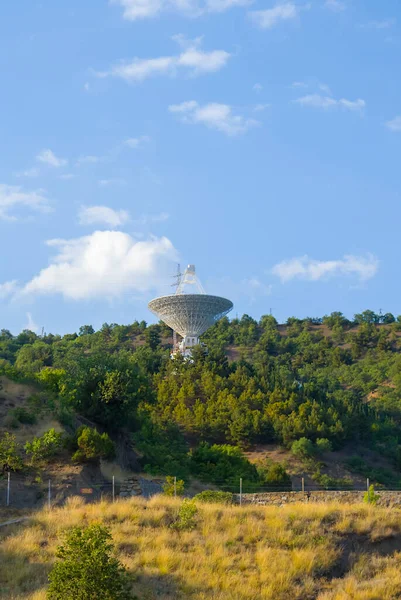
386 498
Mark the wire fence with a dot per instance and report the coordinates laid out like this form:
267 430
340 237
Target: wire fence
21 492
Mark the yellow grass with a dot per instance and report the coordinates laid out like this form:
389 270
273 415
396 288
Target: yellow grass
295 552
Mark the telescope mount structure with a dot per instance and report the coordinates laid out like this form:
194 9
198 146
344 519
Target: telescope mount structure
189 314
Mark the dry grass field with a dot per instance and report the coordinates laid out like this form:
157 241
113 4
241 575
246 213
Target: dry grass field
322 552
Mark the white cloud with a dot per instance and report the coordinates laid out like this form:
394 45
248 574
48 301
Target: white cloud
213 115
192 59
8 288
105 264
144 9
89 215
31 325
89 159
49 158
112 181
383 24
270 17
309 269
299 84
261 107
13 197
137 142
87 87
32 172
394 124
326 102
248 289
335 5
258 87
147 219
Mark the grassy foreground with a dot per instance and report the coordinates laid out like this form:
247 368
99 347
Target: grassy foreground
315 551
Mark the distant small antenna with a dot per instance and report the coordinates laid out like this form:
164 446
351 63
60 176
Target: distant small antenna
271 310
43 332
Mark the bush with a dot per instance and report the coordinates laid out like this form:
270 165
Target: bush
87 569
171 489
92 446
274 475
323 445
186 520
223 465
303 448
370 496
23 416
214 497
45 447
10 459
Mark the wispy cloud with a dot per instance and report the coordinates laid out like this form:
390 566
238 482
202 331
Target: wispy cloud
379 25
32 172
31 325
112 181
308 269
213 115
192 60
261 107
49 158
270 17
145 9
8 288
104 265
137 142
258 87
149 219
335 5
103 215
89 159
14 198
327 102
394 124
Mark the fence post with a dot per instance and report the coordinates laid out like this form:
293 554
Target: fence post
367 484
49 496
303 484
175 487
240 491
114 489
8 487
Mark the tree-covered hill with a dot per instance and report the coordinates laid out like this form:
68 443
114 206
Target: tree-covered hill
321 383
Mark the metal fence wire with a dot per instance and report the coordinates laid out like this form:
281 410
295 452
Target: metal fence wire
21 492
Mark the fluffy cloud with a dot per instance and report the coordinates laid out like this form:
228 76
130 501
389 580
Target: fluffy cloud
192 60
49 158
394 124
326 102
13 197
308 269
104 264
90 215
269 18
213 115
145 9
8 288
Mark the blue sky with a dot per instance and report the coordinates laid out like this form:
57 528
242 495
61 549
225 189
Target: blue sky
259 140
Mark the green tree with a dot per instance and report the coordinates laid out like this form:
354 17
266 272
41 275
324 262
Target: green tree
87 568
10 458
92 446
303 448
86 330
44 447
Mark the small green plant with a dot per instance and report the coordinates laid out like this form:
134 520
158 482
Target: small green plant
92 446
10 459
23 416
370 497
44 447
303 448
323 445
215 497
173 489
87 568
186 519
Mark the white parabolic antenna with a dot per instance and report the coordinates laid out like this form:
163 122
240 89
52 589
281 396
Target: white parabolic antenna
190 314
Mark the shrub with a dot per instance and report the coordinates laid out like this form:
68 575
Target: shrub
223 465
214 497
87 569
171 489
92 446
303 448
323 445
23 416
275 475
10 459
370 497
186 520
45 447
